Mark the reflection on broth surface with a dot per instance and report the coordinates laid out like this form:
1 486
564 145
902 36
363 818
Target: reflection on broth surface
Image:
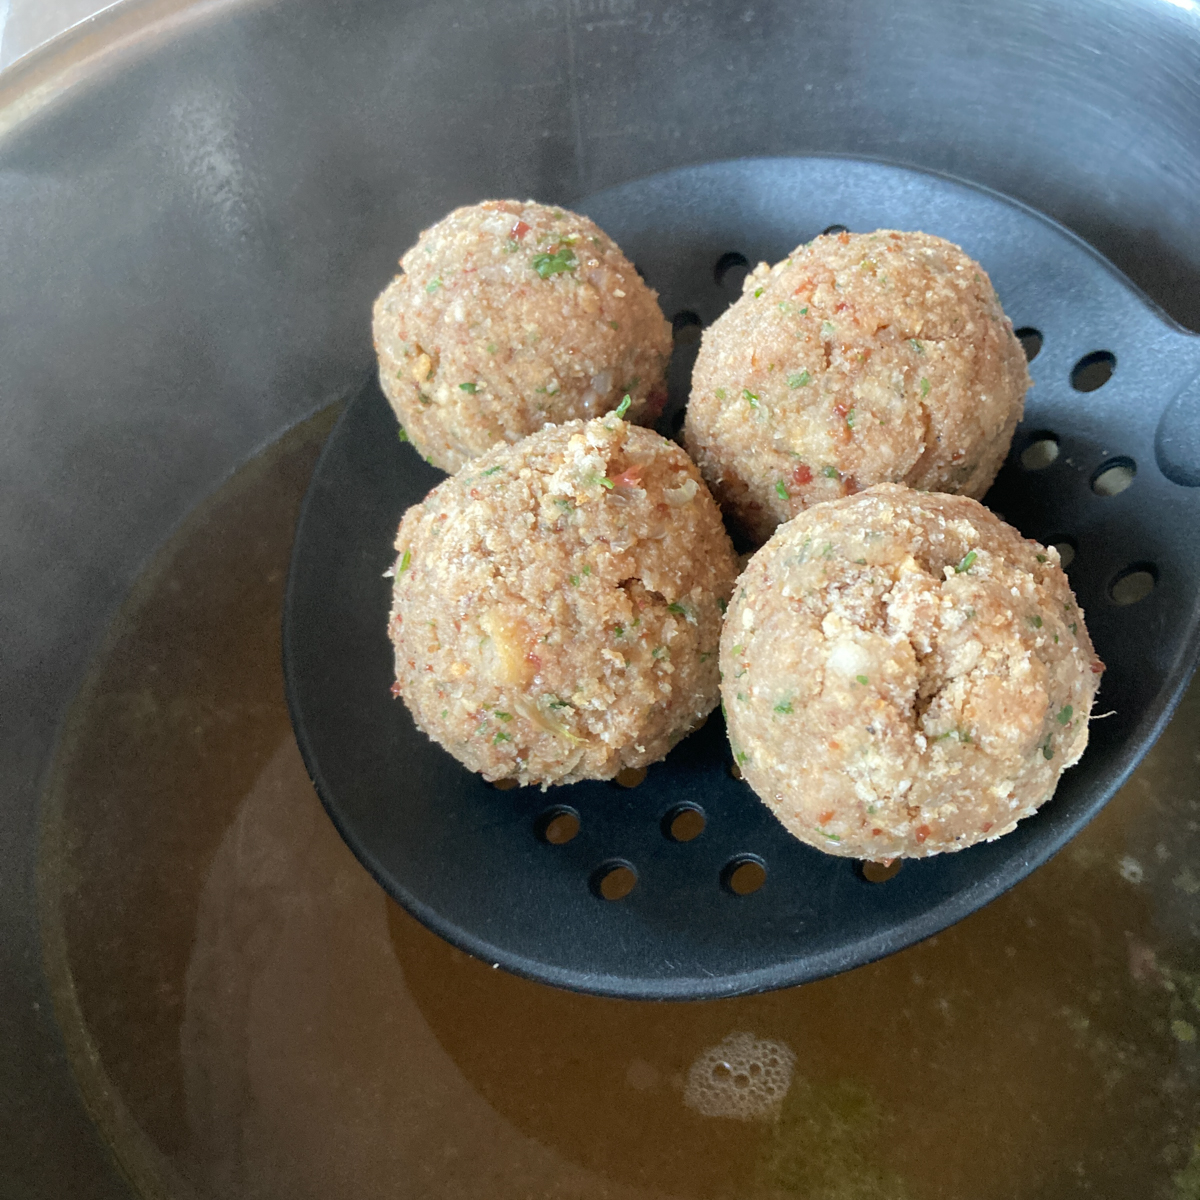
249 1015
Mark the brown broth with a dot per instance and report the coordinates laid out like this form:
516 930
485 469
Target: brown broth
250 1016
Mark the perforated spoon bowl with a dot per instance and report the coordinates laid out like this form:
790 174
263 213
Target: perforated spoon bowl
685 886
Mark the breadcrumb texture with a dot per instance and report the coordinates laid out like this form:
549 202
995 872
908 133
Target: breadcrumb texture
861 359
510 315
557 604
905 674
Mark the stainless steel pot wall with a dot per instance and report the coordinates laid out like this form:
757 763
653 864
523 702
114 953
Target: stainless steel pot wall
197 205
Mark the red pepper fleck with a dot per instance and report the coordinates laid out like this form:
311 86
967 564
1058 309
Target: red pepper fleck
922 832
1097 667
396 689
630 477
987 825
841 412
802 474
849 485
519 230
474 493
656 401
844 238
825 817
876 832
533 660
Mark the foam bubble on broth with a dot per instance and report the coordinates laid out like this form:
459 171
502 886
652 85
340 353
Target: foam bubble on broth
742 1077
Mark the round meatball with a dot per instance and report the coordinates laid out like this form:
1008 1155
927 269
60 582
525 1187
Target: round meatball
509 316
904 674
861 359
557 604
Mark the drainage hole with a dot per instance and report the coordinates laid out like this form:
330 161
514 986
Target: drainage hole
629 777
834 229
1133 584
1093 370
880 872
1066 551
614 880
684 823
1114 476
744 874
1031 341
1041 451
558 825
730 269
686 327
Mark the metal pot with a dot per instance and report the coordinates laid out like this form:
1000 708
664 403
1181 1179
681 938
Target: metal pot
198 203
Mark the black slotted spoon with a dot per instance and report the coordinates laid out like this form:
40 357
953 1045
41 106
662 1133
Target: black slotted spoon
1106 462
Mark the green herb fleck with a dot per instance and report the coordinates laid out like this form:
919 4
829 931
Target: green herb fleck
1036 622
1048 750
721 393
742 758
742 697
827 550
503 715
1065 714
829 472
424 399
800 379
1041 558
402 434
723 605
757 292
573 580
467 387
804 311
618 631
833 837
916 345
563 259
658 652
555 702
850 419
785 707
492 347
1074 628
862 679
677 609
967 563
432 286
924 386
405 560
501 736
614 325
781 490
827 330
750 397
737 650
623 407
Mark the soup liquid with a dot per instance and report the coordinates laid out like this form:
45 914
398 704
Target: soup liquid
249 1015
